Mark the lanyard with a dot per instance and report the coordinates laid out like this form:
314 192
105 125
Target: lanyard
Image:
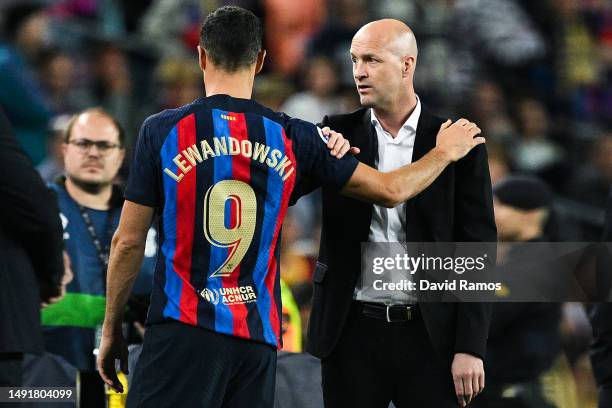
103 252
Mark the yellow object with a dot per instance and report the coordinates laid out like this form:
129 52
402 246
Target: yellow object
292 322
117 399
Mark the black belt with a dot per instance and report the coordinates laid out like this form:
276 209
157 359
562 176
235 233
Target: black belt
392 313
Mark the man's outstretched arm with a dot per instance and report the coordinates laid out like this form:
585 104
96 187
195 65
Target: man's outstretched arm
390 189
127 250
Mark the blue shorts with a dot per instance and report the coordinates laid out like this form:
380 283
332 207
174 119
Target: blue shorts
186 366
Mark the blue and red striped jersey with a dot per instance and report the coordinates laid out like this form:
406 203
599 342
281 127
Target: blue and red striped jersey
221 172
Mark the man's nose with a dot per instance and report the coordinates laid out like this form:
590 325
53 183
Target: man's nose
359 71
94 151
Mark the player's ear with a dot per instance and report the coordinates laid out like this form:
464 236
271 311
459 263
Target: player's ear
261 56
202 58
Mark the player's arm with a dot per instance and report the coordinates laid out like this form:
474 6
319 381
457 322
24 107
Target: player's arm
127 250
390 189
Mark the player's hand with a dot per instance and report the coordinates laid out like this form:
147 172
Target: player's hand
112 348
338 144
468 377
457 139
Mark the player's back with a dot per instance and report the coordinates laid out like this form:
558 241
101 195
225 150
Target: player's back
221 171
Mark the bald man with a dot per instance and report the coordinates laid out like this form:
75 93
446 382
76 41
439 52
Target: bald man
379 348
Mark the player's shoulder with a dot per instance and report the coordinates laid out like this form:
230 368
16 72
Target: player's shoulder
167 117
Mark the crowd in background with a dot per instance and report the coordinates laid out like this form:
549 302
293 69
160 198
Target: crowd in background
535 75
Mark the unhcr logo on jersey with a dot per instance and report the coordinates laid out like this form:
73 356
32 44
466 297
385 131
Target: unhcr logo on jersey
210 295
229 296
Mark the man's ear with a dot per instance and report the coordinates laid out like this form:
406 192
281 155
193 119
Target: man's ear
261 56
408 65
202 58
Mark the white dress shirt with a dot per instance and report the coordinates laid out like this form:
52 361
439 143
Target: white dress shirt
389 224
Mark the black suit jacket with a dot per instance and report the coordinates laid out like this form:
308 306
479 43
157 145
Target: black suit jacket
456 207
30 246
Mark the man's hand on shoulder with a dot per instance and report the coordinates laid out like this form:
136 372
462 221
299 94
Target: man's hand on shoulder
455 140
337 143
468 377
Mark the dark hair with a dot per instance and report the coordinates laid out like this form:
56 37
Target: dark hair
232 37
98 111
14 17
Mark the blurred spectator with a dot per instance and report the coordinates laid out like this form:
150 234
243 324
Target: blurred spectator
24 38
592 182
171 27
180 83
535 152
334 38
90 207
112 84
488 108
114 17
491 36
58 77
318 97
288 29
272 91
53 165
498 162
576 59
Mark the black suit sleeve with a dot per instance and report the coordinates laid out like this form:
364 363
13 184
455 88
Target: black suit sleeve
29 210
474 222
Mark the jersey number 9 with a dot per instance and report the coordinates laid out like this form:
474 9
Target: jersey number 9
242 213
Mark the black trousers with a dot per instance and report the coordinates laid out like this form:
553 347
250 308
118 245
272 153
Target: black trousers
376 362
185 366
11 373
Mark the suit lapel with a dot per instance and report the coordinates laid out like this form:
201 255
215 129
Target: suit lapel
424 141
366 140
425 138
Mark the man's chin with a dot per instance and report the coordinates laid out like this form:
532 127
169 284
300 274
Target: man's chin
366 101
90 184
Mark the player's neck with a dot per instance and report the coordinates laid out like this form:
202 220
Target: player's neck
393 118
237 85
88 196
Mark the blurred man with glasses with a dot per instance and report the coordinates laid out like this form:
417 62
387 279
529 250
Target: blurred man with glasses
90 206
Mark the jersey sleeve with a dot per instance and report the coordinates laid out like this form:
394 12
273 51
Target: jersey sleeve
314 160
143 184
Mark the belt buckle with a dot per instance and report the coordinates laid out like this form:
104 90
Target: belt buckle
408 314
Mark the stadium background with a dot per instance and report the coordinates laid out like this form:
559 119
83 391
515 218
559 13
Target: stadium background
535 75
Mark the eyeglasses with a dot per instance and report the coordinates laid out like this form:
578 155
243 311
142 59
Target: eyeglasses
84 145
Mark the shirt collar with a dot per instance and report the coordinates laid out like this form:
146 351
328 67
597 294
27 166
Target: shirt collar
412 121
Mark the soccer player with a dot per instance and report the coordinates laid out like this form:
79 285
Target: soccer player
220 172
